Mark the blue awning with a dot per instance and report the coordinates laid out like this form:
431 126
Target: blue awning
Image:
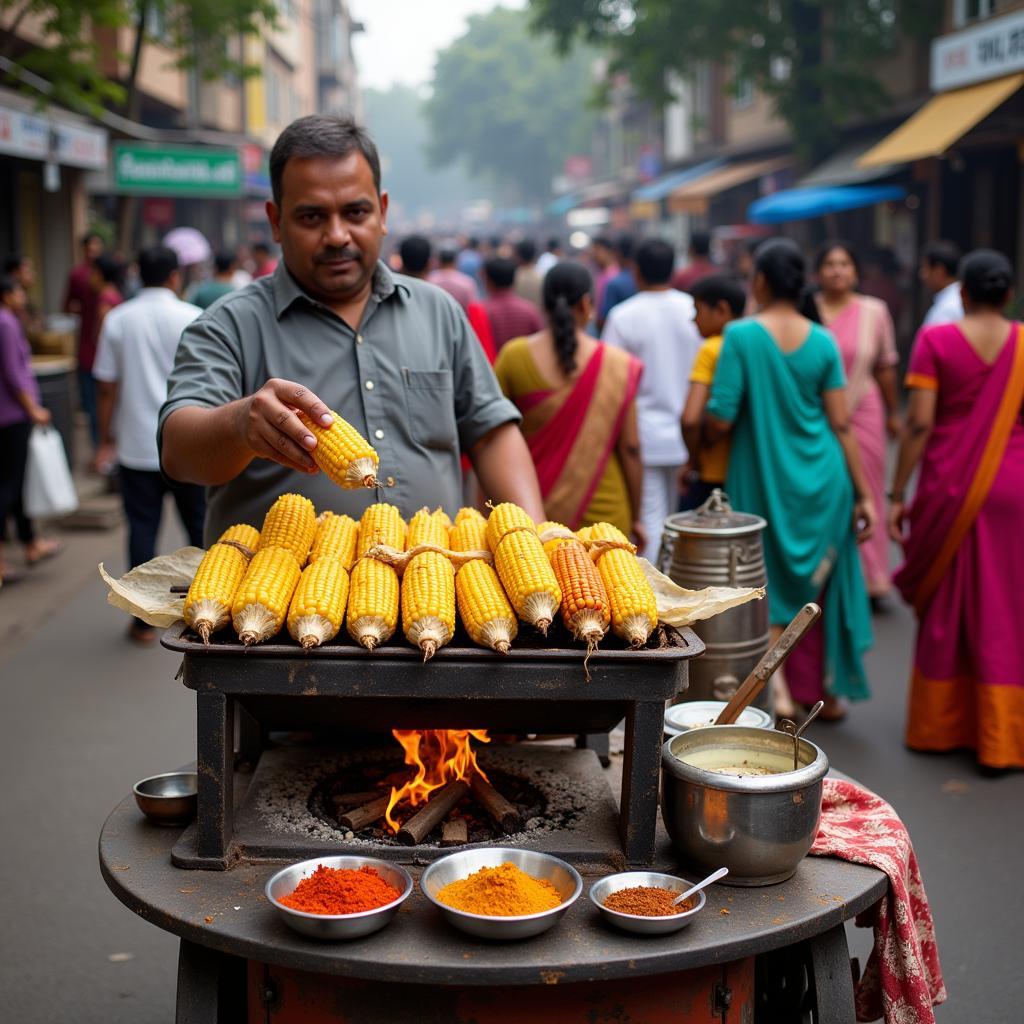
805 203
563 204
655 191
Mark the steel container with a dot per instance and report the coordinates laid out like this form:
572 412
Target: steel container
760 827
637 923
714 546
168 799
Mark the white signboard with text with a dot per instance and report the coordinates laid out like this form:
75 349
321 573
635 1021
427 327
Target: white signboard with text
989 50
38 137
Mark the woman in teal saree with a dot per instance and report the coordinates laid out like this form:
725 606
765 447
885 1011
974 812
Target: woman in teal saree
779 389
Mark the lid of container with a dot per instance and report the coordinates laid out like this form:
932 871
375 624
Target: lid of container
715 518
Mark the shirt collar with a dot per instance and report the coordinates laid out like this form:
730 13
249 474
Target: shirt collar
951 289
287 290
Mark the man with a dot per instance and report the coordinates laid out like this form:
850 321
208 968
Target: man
509 315
471 261
334 328
699 263
602 254
22 270
458 285
83 300
265 262
134 360
223 281
529 284
939 263
656 325
623 285
415 254
549 257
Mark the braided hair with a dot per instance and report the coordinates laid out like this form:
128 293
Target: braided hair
565 284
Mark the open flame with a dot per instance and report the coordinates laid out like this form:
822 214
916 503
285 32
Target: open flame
439 756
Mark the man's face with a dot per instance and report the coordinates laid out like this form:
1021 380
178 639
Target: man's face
933 275
710 320
330 225
93 248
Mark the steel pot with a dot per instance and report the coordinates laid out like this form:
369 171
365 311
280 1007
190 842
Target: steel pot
759 826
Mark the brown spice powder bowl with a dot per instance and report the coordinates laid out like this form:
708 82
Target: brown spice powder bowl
600 891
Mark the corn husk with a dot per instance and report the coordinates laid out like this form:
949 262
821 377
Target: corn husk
145 591
678 606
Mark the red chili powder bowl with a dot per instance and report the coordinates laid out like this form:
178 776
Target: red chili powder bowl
340 891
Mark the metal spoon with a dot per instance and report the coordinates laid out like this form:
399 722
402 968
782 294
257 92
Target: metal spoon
713 877
796 733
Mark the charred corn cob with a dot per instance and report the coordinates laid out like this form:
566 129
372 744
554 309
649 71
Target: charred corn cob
335 536
483 607
633 605
262 599
318 605
428 585
209 598
343 453
373 591
528 578
290 523
585 606
505 519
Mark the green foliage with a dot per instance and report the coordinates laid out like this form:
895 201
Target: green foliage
505 103
816 60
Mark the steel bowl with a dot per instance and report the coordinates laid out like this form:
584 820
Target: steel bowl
564 877
698 714
759 827
338 926
168 799
600 891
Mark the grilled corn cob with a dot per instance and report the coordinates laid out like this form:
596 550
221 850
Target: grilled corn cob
290 523
208 602
373 592
318 605
261 601
486 614
528 578
503 520
428 585
633 605
336 536
343 453
585 607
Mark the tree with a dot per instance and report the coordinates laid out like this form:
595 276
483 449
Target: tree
815 59
503 101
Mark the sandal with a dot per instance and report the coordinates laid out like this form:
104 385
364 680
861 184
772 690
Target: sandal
44 549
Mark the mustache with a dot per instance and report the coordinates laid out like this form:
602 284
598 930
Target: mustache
330 255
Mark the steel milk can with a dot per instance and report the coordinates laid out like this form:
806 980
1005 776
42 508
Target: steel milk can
713 546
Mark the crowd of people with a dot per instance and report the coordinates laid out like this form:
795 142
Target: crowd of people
621 384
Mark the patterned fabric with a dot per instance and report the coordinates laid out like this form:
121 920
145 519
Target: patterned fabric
903 979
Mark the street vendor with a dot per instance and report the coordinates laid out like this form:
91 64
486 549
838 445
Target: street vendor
332 328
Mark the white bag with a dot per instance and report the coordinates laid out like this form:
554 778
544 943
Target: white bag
49 490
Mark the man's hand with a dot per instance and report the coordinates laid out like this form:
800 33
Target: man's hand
268 423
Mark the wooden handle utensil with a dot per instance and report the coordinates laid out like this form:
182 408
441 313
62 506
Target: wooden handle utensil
766 667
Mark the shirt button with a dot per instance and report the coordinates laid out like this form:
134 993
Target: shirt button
379 435
369 385
359 339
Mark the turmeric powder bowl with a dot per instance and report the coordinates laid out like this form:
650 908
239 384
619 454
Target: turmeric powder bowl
338 926
555 875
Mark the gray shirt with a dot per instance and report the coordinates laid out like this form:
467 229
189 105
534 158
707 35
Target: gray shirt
413 380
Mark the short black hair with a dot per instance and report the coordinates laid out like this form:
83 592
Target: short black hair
942 253
447 254
700 243
330 135
8 285
554 242
111 269
987 277
624 246
261 247
472 242
716 288
602 240
500 272
526 250
654 260
12 264
415 253
223 261
90 235
494 241
156 265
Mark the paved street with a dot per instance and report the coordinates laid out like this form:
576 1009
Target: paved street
87 714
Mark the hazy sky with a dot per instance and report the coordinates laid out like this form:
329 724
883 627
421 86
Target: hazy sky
402 37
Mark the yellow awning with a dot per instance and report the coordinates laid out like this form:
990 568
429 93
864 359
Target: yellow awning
941 121
694 196
643 210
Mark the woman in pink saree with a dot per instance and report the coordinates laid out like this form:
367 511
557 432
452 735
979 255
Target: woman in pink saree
579 418
864 332
965 545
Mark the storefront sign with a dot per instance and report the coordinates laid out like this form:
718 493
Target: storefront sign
48 138
990 50
177 171
257 169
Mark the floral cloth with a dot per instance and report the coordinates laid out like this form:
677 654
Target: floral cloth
903 979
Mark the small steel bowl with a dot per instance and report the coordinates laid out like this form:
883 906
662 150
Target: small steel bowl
564 877
338 926
697 714
600 891
168 799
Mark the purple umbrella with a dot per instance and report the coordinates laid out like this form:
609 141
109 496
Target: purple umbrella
190 245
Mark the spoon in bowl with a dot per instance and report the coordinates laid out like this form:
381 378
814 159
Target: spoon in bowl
713 877
796 732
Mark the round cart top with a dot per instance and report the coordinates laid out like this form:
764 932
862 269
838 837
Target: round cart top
227 911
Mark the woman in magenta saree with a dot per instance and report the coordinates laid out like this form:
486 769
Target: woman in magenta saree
577 399
965 547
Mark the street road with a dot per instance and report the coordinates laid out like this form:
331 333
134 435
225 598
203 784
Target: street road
86 714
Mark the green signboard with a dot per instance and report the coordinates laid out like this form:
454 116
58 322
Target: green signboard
177 170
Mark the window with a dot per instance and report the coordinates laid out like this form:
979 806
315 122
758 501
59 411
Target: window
273 82
966 11
743 92
156 23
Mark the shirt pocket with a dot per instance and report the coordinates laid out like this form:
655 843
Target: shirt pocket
430 405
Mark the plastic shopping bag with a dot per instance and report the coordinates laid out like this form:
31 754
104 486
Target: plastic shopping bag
49 490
